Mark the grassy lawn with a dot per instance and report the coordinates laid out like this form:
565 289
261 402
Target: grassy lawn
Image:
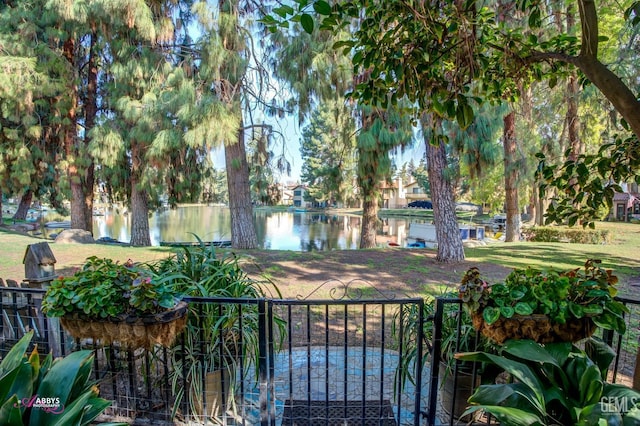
623 254
68 256
418 274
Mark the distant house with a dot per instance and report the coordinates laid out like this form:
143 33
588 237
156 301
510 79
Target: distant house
393 195
397 195
415 192
299 193
287 194
626 205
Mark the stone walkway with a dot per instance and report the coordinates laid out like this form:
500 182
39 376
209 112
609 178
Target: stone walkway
328 374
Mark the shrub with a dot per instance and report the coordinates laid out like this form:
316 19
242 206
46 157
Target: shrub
571 235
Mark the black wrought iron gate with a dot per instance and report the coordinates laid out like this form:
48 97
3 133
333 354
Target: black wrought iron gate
347 359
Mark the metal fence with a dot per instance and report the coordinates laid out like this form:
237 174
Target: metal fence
283 362
448 391
336 361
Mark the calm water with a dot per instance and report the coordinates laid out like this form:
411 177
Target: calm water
291 230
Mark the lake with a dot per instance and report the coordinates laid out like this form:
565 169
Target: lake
276 230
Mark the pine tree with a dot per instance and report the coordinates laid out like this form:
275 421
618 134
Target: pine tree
30 94
382 132
129 139
328 153
317 73
442 192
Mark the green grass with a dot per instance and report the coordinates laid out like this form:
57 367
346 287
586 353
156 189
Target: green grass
417 265
428 214
271 272
13 246
623 255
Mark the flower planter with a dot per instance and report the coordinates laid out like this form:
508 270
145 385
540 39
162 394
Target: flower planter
130 331
459 388
535 327
217 395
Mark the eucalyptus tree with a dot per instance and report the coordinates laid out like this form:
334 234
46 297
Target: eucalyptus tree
432 58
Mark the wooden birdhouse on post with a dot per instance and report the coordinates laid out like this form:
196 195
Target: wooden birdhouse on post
39 264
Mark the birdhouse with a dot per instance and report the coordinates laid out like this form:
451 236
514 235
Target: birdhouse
39 263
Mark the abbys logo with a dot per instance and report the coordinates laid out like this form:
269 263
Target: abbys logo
49 405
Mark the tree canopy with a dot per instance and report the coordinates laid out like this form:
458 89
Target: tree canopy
445 55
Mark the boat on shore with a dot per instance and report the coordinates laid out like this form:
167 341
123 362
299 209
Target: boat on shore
221 243
65 224
109 240
423 235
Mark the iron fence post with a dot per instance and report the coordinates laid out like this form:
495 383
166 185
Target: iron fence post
420 337
262 363
435 361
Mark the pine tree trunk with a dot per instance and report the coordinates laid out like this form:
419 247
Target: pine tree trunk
139 216
78 213
23 207
91 109
369 222
140 236
534 203
243 231
512 225
450 247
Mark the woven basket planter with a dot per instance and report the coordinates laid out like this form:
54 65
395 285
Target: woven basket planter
535 327
130 332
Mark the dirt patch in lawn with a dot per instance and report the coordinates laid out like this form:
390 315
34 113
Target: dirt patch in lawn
409 272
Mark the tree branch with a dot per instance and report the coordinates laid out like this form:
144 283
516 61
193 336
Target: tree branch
538 56
589 24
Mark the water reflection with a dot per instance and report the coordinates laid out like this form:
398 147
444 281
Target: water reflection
290 230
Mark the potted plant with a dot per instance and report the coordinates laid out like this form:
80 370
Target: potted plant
217 335
457 378
554 384
112 302
544 305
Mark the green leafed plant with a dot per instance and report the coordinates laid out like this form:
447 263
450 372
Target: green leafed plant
554 384
218 334
39 391
458 335
561 296
103 288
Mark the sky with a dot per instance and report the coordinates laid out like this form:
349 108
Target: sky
292 136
